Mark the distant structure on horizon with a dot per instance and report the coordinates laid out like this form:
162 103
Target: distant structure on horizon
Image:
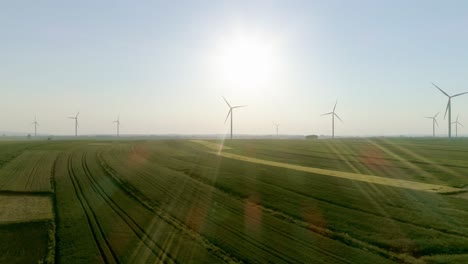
434 123
333 114
449 108
230 113
76 122
117 122
35 123
456 123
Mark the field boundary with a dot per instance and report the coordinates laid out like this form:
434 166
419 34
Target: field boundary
399 183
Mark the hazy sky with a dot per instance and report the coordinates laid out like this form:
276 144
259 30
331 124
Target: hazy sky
164 65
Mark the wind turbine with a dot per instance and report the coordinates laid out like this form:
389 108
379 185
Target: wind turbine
277 128
449 108
333 114
35 123
117 122
456 126
76 123
230 113
434 123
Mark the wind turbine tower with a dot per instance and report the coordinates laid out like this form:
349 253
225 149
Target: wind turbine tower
277 129
333 114
117 123
230 113
35 123
76 123
456 126
434 123
449 108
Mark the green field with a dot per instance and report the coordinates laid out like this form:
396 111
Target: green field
277 201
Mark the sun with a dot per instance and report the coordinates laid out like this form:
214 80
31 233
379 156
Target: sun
246 62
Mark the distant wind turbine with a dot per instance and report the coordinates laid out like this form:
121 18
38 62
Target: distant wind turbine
449 108
230 113
76 123
333 114
434 123
35 123
117 123
277 128
456 126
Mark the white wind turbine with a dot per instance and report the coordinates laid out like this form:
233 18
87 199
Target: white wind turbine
76 123
449 108
35 123
456 126
117 123
230 113
434 123
277 129
333 114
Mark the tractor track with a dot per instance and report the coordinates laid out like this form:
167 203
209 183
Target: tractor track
253 241
131 223
107 254
29 183
165 216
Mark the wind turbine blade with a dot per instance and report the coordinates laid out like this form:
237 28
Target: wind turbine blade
338 117
457 118
461 124
228 115
436 115
459 94
239 106
227 102
71 117
77 114
446 110
435 120
335 105
429 117
327 113
441 90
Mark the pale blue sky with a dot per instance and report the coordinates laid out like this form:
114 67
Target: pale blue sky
152 62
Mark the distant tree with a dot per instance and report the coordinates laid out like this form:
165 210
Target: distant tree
29 136
311 137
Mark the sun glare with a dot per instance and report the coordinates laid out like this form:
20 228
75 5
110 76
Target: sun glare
246 62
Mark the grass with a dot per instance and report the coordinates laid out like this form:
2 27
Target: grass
175 201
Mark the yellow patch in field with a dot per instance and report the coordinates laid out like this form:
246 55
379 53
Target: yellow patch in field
210 145
419 186
19 208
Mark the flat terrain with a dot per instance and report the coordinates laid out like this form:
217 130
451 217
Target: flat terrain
29 172
252 201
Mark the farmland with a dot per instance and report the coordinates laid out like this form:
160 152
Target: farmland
239 201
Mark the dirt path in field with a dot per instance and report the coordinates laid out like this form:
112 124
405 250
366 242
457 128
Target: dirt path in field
419 186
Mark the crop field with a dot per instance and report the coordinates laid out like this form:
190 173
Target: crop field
238 201
29 172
